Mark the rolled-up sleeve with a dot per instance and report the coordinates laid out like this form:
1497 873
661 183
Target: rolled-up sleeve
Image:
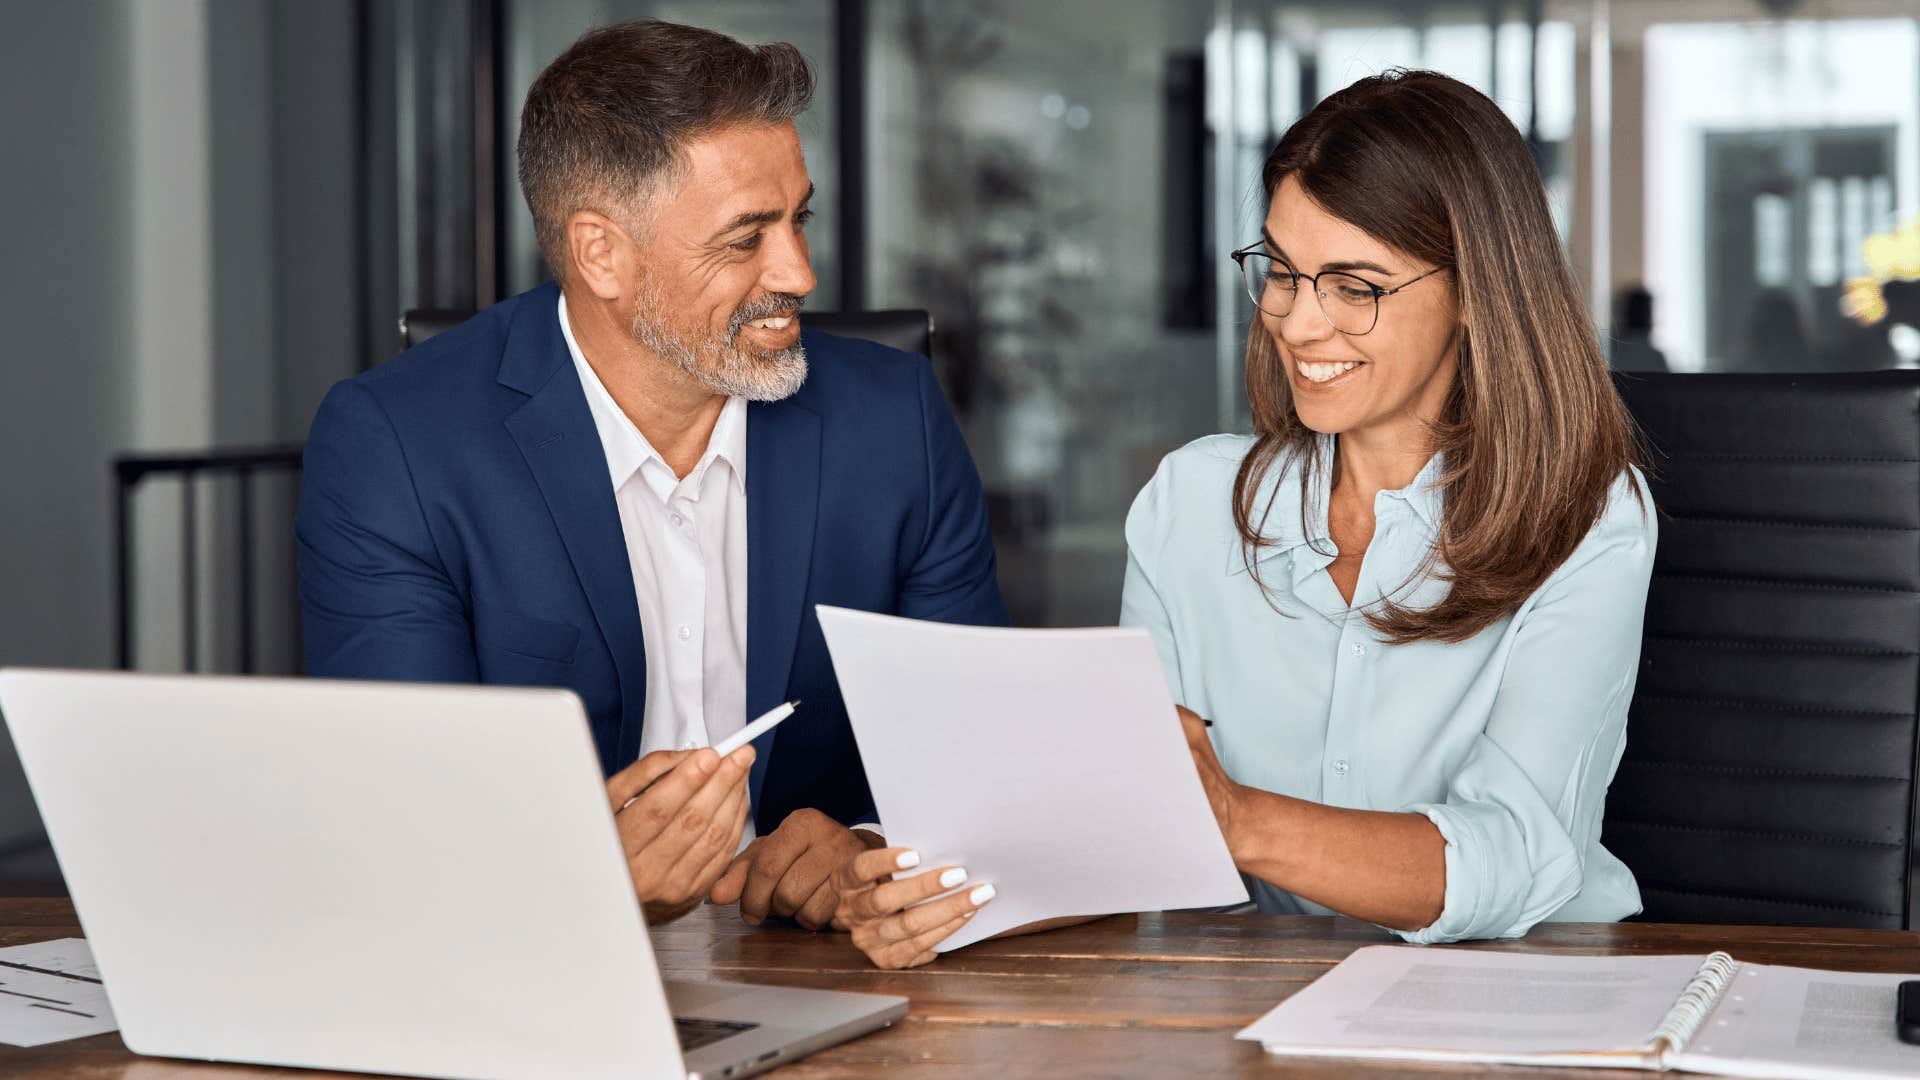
1524 806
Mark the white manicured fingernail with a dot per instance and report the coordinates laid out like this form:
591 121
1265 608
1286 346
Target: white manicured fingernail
907 860
952 877
981 895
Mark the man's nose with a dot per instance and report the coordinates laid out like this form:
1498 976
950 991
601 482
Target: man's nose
787 268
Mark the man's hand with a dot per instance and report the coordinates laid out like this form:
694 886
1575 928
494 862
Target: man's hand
679 833
790 872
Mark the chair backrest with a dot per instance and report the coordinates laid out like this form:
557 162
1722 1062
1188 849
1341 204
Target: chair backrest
907 329
419 324
1771 750
234 584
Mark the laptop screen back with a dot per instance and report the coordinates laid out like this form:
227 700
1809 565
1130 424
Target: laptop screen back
382 877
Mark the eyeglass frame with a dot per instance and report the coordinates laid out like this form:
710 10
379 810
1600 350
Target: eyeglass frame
1379 292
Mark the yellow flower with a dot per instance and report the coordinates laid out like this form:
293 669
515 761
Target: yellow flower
1894 254
1863 301
1890 256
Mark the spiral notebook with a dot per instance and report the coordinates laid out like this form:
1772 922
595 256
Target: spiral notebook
1706 1014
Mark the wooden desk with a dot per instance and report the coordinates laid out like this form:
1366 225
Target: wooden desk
1151 995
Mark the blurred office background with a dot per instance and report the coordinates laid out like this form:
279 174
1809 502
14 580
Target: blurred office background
216 208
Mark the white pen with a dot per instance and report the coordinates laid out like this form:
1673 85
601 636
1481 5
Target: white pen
761 724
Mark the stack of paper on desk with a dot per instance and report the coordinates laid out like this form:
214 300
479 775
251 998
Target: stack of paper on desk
1048 763
1707 1014
51 991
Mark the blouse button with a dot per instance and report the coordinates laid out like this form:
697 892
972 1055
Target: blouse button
1340 767
1359 649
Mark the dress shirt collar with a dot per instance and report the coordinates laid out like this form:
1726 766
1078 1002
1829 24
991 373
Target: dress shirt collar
1284 529
628 451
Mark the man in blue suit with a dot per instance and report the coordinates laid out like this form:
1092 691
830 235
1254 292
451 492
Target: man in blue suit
637 483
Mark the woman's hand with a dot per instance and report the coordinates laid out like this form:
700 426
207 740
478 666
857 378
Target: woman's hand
896 923
1222 793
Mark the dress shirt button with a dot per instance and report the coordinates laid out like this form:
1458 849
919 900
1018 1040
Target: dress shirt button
686 633
1340 767
678 520
1359 649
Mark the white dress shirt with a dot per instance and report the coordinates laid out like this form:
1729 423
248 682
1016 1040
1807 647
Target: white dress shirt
687 546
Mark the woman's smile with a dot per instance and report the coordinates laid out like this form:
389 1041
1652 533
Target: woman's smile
1312 375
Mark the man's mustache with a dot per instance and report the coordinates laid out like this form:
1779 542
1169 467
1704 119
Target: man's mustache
772 305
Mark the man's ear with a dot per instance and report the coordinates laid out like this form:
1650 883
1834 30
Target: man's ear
598 250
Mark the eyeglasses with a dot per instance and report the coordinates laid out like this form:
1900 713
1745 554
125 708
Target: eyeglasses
1351 304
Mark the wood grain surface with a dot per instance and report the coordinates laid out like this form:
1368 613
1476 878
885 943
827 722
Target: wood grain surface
1146 995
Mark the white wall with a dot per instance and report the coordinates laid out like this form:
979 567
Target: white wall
66 324
182 275
171 294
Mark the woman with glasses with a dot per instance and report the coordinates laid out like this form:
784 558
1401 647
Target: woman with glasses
1410 602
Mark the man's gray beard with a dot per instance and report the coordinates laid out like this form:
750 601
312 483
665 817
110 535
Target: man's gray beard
724 366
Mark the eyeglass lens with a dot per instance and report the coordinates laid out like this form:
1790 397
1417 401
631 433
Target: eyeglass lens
1350 303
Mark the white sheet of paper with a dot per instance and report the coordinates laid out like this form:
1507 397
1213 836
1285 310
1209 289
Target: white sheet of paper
1427 1004
1048 763
50 991
1789 1021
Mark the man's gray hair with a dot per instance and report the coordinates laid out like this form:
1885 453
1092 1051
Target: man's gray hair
610 118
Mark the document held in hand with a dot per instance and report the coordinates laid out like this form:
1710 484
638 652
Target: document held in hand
1704 1014
1048 763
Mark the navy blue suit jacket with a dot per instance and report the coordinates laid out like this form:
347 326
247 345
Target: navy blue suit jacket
457 524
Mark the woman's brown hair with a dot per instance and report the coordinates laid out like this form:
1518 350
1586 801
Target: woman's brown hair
1533 432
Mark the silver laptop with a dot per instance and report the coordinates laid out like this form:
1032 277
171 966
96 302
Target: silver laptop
421 880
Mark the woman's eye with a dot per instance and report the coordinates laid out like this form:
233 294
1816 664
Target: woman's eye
1283 279
1353 294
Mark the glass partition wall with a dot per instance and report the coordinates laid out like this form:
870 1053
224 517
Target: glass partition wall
1059 183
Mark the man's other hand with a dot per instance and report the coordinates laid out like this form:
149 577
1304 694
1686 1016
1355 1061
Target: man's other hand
790 872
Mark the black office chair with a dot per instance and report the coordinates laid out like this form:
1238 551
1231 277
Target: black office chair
238 578
908 330
1769 775
419 324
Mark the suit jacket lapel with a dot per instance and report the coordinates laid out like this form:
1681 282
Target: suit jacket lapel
555 433
783 501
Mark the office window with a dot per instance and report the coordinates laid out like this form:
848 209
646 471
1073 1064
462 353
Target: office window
1771 221
1039 177
1759 202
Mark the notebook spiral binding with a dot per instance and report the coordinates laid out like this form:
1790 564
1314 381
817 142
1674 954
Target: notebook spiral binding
1690 1009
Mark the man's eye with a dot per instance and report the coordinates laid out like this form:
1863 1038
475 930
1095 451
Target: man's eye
800 219
751 243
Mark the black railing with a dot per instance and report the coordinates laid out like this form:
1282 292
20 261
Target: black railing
129 470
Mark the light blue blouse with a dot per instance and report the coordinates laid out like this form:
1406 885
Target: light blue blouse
1506 742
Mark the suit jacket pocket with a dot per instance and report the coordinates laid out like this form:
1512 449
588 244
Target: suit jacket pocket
523 635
